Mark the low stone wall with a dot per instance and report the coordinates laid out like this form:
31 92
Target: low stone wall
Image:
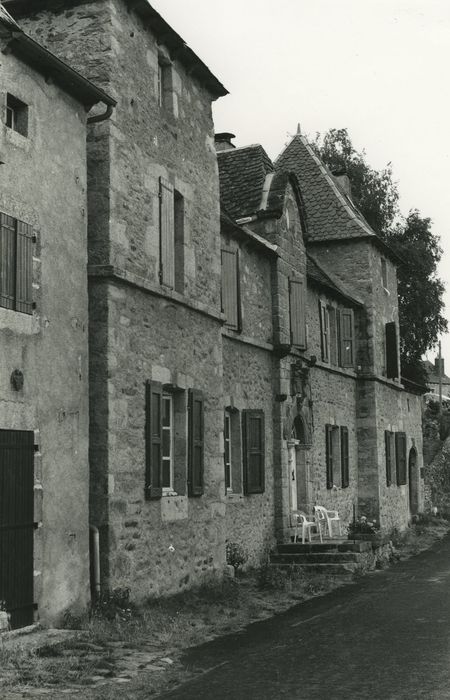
378 557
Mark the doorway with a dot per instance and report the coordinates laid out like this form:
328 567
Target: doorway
413 477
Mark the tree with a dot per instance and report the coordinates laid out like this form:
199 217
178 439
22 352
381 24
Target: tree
420 290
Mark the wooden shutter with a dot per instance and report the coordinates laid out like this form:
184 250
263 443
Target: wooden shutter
389 456
400 451
391 351
166 233
333 335
338 338
153 440
297 312
24 268
254 451
230 288
329 455
196 443
7 261
347 338
345 472
324 331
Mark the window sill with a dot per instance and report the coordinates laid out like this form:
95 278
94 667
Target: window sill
169 493
235 497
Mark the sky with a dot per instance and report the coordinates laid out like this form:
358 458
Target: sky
377 67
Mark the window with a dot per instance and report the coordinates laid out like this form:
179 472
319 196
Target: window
297 312
153 440
227 451
334 320
231 303
167 442
324 331
345 474
391 351
253 439
384 277
16 115
347 355
171 232
196 443
164 82
400 453
389 441
331 454
16 264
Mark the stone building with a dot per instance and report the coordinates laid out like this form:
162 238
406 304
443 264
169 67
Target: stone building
243 350
433 377
44 477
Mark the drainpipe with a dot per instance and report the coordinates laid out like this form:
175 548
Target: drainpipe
96 558
101 117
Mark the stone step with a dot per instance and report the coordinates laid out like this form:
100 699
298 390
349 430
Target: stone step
331 546
345 569
315 558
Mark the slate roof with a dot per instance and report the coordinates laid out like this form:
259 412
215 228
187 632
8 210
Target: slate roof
316 273
242 174
332 215
433 375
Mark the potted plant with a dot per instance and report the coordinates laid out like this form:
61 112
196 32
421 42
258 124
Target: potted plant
363 529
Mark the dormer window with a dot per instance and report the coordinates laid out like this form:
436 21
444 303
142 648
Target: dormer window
16 115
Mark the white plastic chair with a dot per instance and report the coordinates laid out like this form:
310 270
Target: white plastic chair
329 517
298 517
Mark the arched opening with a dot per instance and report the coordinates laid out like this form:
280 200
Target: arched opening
298 430
413 475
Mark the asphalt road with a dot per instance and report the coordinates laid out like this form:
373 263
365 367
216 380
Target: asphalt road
385 637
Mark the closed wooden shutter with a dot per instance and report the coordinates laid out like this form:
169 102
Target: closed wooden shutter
166 233
400 451
389 456
7 261
324 331
391 351
153 440
329 455
24 268
345 471
347 338
230 288
297 312
196 443
254 451
338 338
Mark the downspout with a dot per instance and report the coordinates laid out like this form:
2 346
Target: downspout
96 558
101 117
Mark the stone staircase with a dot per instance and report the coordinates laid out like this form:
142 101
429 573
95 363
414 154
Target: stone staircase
333 557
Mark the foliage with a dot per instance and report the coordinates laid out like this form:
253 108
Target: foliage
362 526
419 288
236 555
113 605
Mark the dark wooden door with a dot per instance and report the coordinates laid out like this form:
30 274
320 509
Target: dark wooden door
17 524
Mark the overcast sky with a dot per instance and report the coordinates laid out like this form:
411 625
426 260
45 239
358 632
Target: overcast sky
378 67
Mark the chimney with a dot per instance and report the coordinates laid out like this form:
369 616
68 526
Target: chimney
436 365
223 141
343 181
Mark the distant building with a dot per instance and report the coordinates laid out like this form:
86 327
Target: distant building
433 377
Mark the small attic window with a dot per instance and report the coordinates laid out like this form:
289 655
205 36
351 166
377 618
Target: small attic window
384 275
16 115
165 83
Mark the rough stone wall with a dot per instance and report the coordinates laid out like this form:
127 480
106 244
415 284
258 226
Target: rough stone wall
43 183
437 479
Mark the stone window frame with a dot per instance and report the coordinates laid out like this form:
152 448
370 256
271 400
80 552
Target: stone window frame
171 236
165 89
167 459
336 455
236 463
16 114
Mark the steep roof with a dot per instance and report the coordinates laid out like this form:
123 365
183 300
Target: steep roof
317 274
33 54
332 215
162 30
433 374
242 175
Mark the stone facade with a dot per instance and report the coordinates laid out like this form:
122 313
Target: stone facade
43 184
264 341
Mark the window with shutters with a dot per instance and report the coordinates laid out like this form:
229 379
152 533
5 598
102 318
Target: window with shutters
16 115
230 292
196 443
391 351
297 308
324 331
253 438
165 440
345 469
334 335
232 451
400 454
227 451
16 264
347 338
171 236
389 441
